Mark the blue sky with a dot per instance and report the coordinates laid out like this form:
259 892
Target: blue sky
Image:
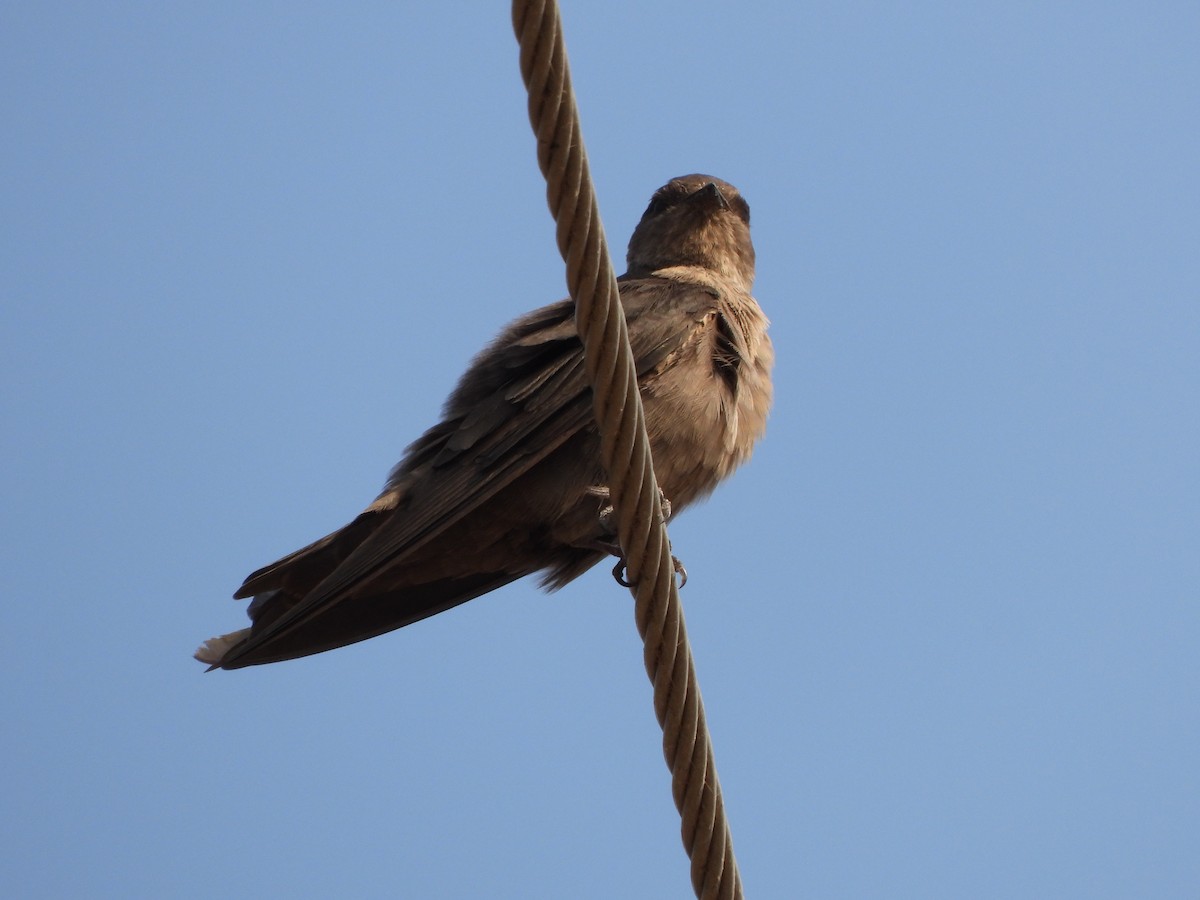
945 621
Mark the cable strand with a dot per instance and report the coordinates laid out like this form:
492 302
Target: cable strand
625 449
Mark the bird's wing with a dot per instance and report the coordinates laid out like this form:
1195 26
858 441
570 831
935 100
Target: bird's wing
521 399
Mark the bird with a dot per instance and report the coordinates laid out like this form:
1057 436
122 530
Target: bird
510 482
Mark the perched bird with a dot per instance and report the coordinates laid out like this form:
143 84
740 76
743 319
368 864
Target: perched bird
510 481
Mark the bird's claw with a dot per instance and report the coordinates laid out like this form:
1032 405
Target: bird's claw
619 572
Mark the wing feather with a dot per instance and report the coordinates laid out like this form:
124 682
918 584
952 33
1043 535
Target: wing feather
521 400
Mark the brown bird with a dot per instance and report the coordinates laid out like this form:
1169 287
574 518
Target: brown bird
510 482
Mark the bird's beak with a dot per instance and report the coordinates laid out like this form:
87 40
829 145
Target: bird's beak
710 195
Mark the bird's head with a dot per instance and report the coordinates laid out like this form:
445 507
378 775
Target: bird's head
695 220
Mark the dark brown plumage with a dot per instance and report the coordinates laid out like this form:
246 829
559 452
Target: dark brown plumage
509 482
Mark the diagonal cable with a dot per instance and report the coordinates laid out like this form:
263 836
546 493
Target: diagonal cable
625 449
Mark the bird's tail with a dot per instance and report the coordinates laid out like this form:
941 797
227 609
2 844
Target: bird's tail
350 620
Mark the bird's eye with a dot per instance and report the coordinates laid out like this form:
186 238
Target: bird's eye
663 200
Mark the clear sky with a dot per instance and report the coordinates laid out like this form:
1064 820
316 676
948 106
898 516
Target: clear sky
946 620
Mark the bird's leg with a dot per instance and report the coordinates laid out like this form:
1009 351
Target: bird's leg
609 543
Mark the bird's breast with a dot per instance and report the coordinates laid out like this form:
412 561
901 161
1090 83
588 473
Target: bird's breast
703 423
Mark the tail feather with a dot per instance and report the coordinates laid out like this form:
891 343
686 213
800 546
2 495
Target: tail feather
347 622
279 587
214 649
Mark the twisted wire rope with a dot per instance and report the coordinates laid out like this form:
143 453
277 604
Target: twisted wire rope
625 449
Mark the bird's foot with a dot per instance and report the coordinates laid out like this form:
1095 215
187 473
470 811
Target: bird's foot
619 572
608 515
609 544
